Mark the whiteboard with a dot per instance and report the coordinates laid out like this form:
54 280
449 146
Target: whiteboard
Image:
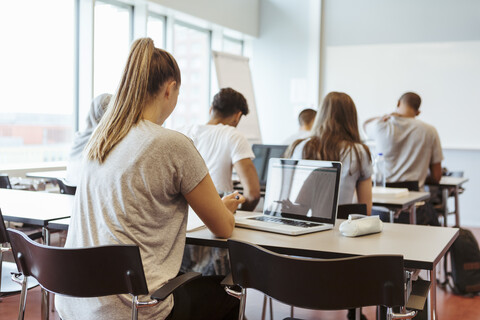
234 71
445 74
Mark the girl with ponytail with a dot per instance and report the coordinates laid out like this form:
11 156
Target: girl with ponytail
137 181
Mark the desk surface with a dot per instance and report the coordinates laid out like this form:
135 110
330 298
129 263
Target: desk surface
34 207
447 181
421 246
401 202
58 174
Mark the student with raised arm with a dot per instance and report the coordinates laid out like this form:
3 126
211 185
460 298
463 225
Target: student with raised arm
335 137
137 181
411 147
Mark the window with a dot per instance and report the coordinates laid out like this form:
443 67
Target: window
156 29
233 46
112 39
36 80
191 49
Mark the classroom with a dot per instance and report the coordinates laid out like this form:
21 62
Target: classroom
67 57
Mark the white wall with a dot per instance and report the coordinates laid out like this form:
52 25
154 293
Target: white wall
385 22
240 15
285 65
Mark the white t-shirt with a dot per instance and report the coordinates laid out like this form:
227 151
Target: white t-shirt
221 146
409 147
136 196
352 172
300 134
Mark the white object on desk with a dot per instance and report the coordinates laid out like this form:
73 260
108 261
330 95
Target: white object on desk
354 227
389 192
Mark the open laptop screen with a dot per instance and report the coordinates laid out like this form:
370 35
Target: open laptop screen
263 153
303 189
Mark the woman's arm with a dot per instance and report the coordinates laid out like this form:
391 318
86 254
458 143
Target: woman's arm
364 193
216 213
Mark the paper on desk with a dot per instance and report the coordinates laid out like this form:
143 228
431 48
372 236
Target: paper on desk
194 222
389 192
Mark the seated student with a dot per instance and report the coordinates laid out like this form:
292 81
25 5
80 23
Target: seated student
137 181
335 137
305 120
222 147
97 109
411 147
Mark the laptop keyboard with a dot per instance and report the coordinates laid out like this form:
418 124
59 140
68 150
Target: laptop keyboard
295 223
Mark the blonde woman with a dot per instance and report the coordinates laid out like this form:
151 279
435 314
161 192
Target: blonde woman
335 137
136 182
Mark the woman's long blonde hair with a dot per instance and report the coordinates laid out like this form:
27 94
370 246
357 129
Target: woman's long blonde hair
335 131
147 70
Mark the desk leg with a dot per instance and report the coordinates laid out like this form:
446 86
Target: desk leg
457 210
445 206
432 295
45 304
413 214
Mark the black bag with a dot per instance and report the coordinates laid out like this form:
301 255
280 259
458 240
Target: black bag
465 264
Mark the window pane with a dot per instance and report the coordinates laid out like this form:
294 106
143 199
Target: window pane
36 80
191 49
156 30
233 46
111 45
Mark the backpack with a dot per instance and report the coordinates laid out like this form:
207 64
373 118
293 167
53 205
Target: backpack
465 264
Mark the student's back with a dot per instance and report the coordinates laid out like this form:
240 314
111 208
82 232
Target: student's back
409 146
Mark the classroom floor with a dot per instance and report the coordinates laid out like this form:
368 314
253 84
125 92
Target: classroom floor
449 306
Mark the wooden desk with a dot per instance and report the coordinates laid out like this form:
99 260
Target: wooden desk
48 175
39 209
421 246
450 185
399 204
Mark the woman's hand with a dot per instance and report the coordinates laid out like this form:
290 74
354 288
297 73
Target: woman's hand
233 200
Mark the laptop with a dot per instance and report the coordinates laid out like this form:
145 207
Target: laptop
301 197
263 153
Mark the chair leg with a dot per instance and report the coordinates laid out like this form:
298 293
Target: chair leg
271 308
291 311
134 308
23 298
358 314
264 308
241 313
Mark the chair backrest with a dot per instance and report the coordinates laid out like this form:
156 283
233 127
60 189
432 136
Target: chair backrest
329 284
64 188
5 181
84 272
410 185
345 209
3 230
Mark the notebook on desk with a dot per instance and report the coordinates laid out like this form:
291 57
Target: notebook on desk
300 197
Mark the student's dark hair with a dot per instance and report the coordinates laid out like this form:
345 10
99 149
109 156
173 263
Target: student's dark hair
335 131
412 99
228 102
306 116
147 70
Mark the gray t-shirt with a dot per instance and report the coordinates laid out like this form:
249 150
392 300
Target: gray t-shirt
352 172
135 197
409 147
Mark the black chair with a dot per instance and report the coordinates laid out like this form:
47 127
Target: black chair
354 208
65 188
85 272
5 181
410 185
7 286
331 284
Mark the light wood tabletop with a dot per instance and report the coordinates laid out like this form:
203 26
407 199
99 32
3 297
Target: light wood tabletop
402 202
57 174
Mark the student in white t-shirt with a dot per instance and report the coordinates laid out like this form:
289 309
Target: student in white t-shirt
411 147
223 147
305 120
